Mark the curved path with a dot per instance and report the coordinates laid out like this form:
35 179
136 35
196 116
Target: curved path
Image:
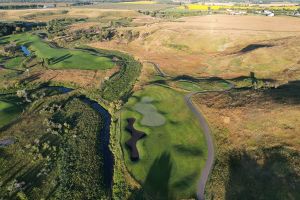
206 130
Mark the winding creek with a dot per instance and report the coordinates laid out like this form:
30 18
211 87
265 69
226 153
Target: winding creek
104 136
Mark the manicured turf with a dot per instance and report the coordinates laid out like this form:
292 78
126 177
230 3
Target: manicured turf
8 112
171 155
62 58
14 62
150 115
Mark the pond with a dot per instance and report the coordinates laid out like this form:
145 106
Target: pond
25 50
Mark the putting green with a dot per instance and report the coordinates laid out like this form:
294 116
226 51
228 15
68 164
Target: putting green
62 58
171 155
150 115
8 112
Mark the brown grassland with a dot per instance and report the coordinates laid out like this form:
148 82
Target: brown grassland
211 45
256 132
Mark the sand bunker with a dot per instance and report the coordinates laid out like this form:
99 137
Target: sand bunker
135 136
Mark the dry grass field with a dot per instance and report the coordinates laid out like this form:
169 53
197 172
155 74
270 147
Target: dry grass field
68 12
257 143
213 45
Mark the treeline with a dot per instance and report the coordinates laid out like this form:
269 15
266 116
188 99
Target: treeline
120 85
7 28
16 7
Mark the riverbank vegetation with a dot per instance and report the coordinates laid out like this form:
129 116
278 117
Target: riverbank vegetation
56 150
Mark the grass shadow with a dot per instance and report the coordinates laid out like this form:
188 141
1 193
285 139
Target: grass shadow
287 94
252 47
274 178
60 59
156 184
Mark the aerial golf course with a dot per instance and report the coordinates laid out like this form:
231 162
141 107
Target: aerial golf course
61 58
174 148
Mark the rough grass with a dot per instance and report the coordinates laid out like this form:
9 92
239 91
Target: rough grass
172 155
202 85
62 58
14 62
8 112
256 143
54 149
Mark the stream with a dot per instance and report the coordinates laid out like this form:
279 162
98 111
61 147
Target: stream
104 135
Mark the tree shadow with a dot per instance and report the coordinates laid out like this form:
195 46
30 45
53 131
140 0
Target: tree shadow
273 178
287 94
252 47
56 60
156 184
31 78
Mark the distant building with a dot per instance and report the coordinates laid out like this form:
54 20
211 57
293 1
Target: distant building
297 14
268 13
49 6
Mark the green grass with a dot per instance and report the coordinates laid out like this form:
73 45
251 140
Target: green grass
172 155
56 154
8 112
14 62
62 58
202 85
150 115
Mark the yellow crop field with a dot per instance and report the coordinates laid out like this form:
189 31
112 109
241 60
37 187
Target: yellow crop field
234 7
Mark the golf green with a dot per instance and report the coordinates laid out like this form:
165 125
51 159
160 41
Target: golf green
172 154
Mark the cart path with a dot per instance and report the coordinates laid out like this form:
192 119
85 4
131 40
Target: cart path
206 130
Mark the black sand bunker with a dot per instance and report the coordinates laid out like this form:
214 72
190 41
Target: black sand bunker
135 136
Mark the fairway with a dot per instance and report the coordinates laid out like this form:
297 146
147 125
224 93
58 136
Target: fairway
172 154
8 112
61 58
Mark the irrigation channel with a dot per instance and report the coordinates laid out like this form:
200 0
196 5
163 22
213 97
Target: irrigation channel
207 132
104 135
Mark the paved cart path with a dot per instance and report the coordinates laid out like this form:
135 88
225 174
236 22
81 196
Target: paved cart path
206 130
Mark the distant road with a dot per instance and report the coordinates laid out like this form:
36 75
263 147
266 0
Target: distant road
206 130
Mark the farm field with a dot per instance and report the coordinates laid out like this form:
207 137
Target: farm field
174 150
237 7
45 15
61 58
